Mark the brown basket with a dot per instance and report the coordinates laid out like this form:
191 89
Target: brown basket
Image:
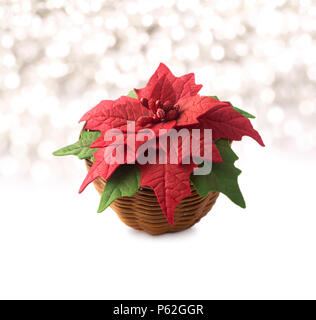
142 210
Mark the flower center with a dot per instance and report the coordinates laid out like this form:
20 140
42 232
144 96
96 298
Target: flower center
162 111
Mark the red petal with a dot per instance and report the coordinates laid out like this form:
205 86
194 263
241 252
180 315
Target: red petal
170 182
101 143
229 124
109 114
202 153
164 86
196 150
100 168
193 107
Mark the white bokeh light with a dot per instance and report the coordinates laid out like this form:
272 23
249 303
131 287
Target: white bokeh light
57 65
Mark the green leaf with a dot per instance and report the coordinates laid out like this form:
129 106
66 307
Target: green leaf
92 159
223 177
242 112
124 182
132 94
81 148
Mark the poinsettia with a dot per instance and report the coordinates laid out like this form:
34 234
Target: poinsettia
166 103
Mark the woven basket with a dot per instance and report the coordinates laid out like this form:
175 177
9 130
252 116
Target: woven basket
142 210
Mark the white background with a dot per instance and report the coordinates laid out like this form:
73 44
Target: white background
60 58
54 245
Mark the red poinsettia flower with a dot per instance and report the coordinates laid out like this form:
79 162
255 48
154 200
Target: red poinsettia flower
166 102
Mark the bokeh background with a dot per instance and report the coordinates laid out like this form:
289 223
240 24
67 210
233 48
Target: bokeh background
60 58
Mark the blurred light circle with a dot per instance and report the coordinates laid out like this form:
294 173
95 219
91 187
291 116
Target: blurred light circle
217 52
5 123
192 52
177 33
57 69
19 150
311 73
189 22
100 77
58 50
17 104
241 49
292 127
275 115
9 60
12 81
147 20
307 107
267 95
206 38
7 41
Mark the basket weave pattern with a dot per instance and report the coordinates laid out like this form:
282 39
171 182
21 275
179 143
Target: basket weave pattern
142 210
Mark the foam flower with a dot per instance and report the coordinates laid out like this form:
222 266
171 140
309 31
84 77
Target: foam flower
166 102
